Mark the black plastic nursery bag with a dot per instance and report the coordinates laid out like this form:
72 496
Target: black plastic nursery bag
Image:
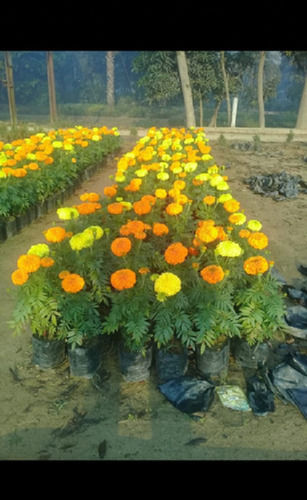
188 394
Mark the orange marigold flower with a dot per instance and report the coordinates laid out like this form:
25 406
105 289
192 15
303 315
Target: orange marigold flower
232 205
134 185
258 240
173 209
256 265
150 198
33 166
212 274
221 233
55 234
47 262
19 277
115 208
144 270
193 251
142 207
132 227
207 233
175 253
121 246
63 274
244 233
110 191
159 229
19 172
89 197
123 279
73 283
209 200
29 263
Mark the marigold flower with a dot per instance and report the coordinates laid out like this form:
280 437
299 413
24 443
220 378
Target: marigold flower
167 285
244 233
207 233
110 191
258 240
63 274
160 229
134 185
96 231
41 249
209 200
150 198
175 253
29 263
81 240
142 207
256 265
212 274
143 270
254 225
72 283
19 277
123 279
179 185
132 227
67 213
228 249
231 205
237 218
160 193
47 262
55 234
115 208
121 246
173 208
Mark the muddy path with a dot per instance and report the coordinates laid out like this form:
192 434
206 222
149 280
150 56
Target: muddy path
48 415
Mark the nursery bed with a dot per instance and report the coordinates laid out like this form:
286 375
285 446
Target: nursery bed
49 415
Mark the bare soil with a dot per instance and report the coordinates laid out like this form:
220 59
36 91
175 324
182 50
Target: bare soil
49 415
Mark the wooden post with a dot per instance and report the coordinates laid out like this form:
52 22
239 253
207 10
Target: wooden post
10 88
51 87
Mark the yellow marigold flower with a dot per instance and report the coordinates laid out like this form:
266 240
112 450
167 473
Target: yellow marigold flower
228 249
81 240
256 265
202 177
222 186
96 231
258 240
231 205
224 197
29 263
57 144
73 283
173 209
160 193
190 166
254 225
41 249
163 176
19 277
238 219
215 180
167 285
209 200
67 213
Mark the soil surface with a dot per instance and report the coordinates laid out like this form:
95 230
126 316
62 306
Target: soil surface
49 415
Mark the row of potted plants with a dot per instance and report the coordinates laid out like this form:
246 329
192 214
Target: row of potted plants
38 171
165 256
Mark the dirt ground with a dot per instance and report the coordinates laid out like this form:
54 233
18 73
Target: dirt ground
48 415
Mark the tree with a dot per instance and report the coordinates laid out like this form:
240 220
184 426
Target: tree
110 78
260 89
225 78
299 58
186 88
51 87
10 88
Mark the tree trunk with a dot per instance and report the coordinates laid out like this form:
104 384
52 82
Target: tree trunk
51 87
234 111
186 88
214 116
226 87
10 88
301 121
260 90
110 78
201 112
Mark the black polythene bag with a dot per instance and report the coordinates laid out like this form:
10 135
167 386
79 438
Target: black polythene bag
188 394
299 397
260 398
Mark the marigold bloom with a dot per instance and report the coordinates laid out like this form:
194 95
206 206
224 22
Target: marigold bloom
228 249
175 253
254 225
166 285
110 191
209 200
237 218
89 197
67 213
73 283
81 240
256 265
115 208
55 234
179 185
150 198
142 207
160 229
207 233
258 240
244 233
63 274
29 263
96 231
134 185
143 270
121 246
160 193
19 277
47 262
231 205
123 279
173 208
212 274
41 249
